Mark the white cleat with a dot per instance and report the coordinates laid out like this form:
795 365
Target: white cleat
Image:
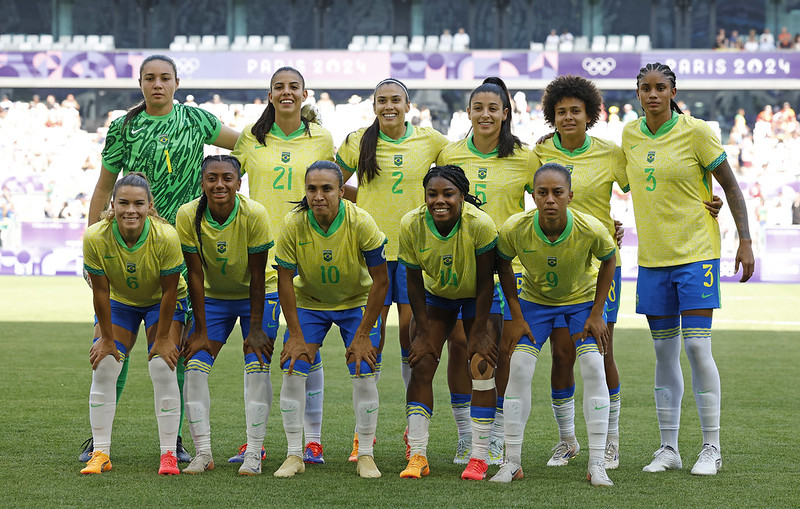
509 471
291 466
201 462
562 453
597 476
496 451
665 458
463 451
612 454
251 464
709 461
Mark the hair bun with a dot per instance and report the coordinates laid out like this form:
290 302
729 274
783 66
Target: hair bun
311 113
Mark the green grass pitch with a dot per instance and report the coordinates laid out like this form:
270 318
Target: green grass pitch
45 377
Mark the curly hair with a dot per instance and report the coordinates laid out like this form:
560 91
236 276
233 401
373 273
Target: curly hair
576 87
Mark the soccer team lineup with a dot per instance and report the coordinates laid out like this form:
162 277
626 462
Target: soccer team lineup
438 230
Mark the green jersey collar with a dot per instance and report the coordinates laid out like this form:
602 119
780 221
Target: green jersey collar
587 143
228 221
278 132
159 118
407 135
472 148
561 238
337 222
432 226
664 129
121 241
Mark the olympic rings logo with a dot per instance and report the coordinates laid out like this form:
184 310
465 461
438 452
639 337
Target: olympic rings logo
187 65
602 66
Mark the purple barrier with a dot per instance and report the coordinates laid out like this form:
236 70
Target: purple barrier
49 248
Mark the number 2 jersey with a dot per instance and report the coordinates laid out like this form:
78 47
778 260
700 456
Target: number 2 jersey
226 247
134 273
670 176
332 273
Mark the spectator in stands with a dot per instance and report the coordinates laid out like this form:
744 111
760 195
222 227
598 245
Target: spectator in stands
461 40
628 113
785 39
765 115
766 42
189 101
721 41
613 114
325 106
735 41
5 102
6 205
70 102
446 39
797 42
553 39
566 36
796 208
751 44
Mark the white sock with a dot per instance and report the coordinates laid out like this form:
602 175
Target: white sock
365 404
595 403
198 403
668 389
706 387
257 403
463 422
497 427
481 433
417 434
103 402
167 403
517 403
613 415
405 372
315 394
293 404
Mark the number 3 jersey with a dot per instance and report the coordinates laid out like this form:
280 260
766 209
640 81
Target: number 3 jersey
448 263
398 188
670 176
227 246
561 272
332 273
134 273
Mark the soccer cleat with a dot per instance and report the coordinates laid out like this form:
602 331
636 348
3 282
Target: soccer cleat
200 463
238 458
709 461
180 452
597 476
313 453
367 468
354 453
475 471
463 451
408 447
612 454
562 453
291 466
496 451
417 467
508 472
251 464
86 450
665 458
169 464
97 464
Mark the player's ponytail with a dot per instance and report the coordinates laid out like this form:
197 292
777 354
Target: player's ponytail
668 73
264 123
323 165
457 177
141 106
507 142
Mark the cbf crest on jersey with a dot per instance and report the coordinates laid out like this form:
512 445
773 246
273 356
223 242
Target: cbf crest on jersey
651 156
163 138
398 160
222 246
130 267
327 255
552 261
482 173
285 156
447 260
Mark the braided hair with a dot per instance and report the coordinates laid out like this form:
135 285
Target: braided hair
667 72
508 142
202 205
576 87
456 176
322 165
267 118
143 104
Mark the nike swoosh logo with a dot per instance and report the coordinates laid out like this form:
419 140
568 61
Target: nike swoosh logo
311 394
704 296
550 159
303 243
107 257
528 250
511 397
425 249
257 423
260 146
134 131
704 392
370 411
600 407
482 438
634 146
611 309
169 409
93 405
198 420
290 410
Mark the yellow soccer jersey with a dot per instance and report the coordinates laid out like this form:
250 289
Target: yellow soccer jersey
276 171
134 273
226 246
448 263
670 177
594 168
556 273
398 188
332 274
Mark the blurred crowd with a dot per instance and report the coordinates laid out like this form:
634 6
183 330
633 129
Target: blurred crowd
765 41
